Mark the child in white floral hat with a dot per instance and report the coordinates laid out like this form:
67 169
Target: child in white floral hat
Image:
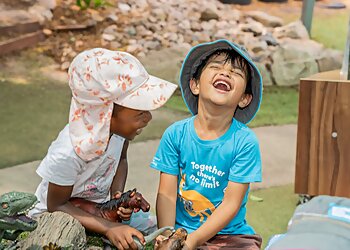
111 97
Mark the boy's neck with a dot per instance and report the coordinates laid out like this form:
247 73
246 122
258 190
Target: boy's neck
212 122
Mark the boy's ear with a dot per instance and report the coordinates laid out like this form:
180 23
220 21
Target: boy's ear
194 86
245 100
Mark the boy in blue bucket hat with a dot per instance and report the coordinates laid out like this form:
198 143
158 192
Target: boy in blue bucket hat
208 161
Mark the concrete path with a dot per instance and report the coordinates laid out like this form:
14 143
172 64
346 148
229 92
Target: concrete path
277 144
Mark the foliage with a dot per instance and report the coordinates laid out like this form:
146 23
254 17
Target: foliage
84 4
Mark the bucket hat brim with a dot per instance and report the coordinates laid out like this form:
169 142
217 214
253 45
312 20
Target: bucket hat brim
197 55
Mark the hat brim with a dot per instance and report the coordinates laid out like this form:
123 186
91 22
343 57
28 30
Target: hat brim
150 95
195 57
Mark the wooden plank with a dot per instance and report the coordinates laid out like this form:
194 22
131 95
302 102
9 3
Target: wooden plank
21 42
21 28
323 138
72 27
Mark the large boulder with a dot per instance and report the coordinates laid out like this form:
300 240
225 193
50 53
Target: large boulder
58 228
292 61
330 59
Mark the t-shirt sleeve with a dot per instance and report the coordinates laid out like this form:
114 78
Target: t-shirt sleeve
246 165
59 169
166 158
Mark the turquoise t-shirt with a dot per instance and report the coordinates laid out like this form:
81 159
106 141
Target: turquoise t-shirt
204 168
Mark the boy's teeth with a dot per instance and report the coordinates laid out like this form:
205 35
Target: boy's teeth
222 82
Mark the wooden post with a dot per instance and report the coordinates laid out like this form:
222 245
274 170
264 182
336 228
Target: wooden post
306 16
323 137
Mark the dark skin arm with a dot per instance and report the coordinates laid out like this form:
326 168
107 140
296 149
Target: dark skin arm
120 235
119 179
118 184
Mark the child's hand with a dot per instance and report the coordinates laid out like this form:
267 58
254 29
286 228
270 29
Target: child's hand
121 237
124 213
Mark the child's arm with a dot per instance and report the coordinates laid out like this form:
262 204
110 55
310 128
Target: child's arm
120 235
222 215
118 184
119 179
166 200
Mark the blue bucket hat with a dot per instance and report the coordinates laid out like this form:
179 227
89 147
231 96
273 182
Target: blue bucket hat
195 58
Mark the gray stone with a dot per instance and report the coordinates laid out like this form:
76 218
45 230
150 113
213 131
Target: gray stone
289 65
266 19
294 30
252 26
59 228
265 74
108 37
209 14
123 7
330 60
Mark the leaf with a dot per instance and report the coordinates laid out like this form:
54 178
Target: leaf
255 198
97 3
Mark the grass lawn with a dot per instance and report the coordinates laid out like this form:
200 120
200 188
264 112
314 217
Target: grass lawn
31 117
279 106
271 216
331 30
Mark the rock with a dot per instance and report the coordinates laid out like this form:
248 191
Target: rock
47 32
252 26
152 45
108 37
266 19
265 74
310 47
41 13
96 16
269 39
134 48
123 7
59 228
185 24
330 59
209 25
294 30
159 14
291 64
130 31
209 14
112 17
110 29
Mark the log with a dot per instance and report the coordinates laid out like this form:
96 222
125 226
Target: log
21 42
58 228
21 28
323 136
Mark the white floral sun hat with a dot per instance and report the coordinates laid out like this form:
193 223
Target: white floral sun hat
99 78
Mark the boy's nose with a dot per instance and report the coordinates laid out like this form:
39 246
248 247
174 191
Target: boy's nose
225 73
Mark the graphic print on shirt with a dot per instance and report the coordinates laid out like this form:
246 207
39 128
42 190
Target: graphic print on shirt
98 185
194 203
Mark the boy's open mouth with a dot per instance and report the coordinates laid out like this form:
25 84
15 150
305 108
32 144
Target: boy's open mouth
222 85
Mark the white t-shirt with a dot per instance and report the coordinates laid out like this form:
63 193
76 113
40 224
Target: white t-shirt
62 166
